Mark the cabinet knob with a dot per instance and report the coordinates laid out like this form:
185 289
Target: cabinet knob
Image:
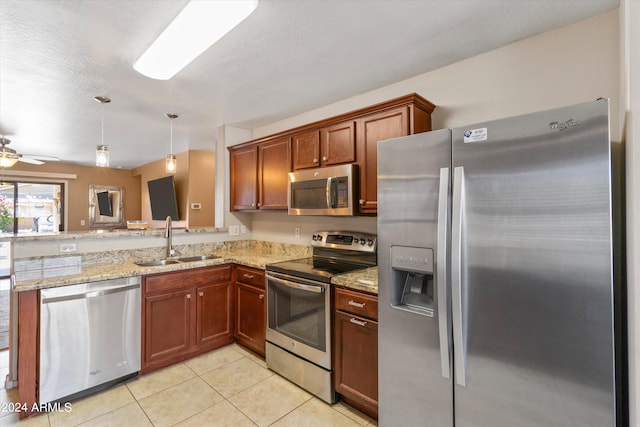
201 294
315 160
357 322
188 296
362 201
324 158
261 296
259 204
253 205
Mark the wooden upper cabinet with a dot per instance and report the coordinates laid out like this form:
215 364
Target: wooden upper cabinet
338 143
411 116
274 165
331 145
243 165
259 175
377 127
259 179
305 149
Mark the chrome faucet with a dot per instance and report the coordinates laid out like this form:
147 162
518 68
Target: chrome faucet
168 235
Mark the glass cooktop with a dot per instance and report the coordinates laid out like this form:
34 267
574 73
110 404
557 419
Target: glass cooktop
315 268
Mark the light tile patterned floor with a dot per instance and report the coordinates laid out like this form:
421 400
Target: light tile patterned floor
228 387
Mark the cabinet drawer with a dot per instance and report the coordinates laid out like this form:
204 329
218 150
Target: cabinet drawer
182 279
357 303
250 276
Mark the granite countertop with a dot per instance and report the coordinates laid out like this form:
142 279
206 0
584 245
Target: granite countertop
362 280
257 256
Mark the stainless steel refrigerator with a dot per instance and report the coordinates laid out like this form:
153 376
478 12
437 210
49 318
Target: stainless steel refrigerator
496 303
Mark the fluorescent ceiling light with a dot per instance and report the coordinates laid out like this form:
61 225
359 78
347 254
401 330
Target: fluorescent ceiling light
199 25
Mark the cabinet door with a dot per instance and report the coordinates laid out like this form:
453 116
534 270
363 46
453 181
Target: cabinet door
371 129
213 314
356 361
251 317
243 168
306 150
275 164
167 325
338 144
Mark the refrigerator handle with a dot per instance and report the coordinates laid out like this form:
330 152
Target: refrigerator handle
456 277
444 325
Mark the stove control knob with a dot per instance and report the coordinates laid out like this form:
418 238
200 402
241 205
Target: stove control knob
370 242
362 241
318 237
315 237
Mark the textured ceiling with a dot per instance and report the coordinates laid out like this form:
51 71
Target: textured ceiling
288 57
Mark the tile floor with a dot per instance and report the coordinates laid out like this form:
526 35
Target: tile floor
226 387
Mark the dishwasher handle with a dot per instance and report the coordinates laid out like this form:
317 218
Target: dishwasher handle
90 294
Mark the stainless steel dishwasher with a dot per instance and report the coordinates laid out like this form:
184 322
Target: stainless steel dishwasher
89 337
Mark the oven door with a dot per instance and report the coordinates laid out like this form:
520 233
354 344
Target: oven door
298 317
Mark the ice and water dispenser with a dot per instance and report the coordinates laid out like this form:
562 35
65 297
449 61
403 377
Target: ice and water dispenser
412 279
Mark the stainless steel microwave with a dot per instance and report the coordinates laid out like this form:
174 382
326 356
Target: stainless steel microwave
323 191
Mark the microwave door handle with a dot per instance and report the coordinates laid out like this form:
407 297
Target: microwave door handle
332 193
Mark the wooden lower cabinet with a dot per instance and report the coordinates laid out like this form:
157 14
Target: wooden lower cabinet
356 350
185 313
251 307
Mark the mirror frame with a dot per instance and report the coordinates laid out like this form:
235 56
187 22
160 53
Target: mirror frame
116 194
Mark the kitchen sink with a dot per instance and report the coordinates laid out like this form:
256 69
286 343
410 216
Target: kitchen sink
192 258
157 262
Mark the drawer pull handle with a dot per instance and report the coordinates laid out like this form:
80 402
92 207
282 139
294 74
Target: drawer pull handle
357 322
356 304
247 276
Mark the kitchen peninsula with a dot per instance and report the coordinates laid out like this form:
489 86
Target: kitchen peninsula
116 259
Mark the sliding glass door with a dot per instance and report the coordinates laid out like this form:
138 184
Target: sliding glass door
31 207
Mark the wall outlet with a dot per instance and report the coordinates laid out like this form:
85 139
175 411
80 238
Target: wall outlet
297 232
243 229
82 223
196 206
234 230
67 247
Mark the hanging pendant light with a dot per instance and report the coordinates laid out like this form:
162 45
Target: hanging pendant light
102 151
171 164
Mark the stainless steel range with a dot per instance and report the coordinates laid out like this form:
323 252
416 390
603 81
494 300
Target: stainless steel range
299 308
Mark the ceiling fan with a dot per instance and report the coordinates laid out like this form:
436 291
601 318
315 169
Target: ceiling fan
9 157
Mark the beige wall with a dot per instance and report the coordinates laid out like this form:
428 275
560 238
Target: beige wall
194 181
78 191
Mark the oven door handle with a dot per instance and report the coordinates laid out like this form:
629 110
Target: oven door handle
290 284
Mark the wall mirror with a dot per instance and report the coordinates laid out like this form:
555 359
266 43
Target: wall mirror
106 206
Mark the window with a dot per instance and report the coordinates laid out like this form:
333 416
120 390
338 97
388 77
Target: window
31 207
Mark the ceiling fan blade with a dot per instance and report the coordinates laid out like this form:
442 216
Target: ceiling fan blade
42 158
32 161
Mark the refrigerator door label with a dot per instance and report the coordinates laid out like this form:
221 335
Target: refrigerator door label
475 135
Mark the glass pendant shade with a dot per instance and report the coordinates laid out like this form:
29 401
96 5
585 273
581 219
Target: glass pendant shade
171 163
102 151
102 156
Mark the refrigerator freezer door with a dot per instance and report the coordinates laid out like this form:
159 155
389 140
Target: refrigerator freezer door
536 271
412 390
